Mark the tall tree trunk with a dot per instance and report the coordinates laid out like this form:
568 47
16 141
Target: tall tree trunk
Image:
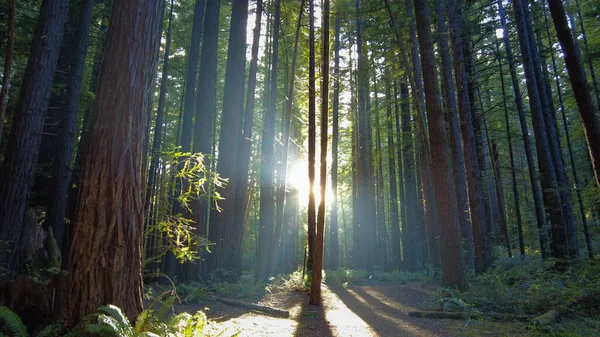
535 189
567 243
153 172
365 195
312 212
382 234
578 83
204 125
106 264
552 197
245 142
315 287
333 226
282 173
224 232
416 82
515 188
61 166
483 259
500 196
453 273
568 139
396 253
8 59
448 90
18 169
267 167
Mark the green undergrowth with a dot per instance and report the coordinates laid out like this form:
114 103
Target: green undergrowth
348 276
531 286
158 320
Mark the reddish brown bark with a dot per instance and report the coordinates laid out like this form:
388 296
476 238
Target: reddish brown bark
106 264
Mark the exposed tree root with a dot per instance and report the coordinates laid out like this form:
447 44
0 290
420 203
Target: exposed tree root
468 315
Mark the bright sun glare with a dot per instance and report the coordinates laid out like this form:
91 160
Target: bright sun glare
298 179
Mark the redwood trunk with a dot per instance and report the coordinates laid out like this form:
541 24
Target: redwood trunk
106 265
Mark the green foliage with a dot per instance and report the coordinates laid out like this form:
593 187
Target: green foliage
12 323
111 322
197 182
531 286
343 276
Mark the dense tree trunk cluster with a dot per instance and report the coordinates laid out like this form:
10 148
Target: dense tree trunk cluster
437 162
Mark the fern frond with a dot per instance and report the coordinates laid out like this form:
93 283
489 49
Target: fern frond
144 321
12 322
51 330
166 306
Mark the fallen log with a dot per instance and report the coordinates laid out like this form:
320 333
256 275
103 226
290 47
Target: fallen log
468 315
256 307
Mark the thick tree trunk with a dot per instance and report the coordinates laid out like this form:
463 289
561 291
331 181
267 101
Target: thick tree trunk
61 167
267 167
106 265
225 232
18 169
245 142
453 274
473 174
578 83
449 89
8 59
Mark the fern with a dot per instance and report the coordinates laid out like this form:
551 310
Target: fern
12 322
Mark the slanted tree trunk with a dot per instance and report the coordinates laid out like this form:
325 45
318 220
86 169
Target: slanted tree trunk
550 187
453 274
315 286
535 189
578 79
568 139
106 264
18 169
8 58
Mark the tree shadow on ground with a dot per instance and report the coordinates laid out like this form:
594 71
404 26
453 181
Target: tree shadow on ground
312 322
386 319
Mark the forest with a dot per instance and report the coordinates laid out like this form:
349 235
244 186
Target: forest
183 168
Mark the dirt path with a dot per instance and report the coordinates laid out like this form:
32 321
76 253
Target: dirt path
374 309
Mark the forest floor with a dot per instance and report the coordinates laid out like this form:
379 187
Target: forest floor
361 309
